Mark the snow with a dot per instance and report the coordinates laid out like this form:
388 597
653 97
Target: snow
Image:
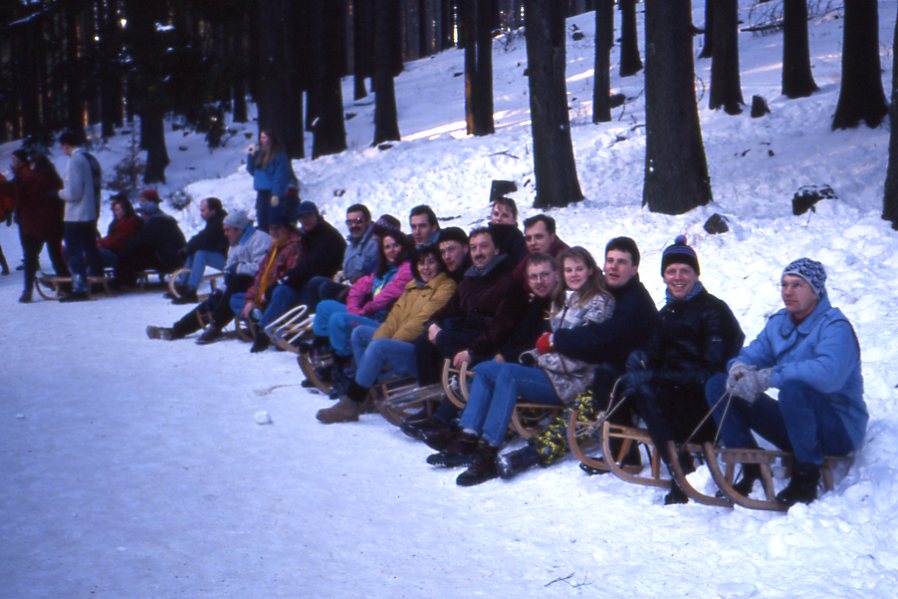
139 468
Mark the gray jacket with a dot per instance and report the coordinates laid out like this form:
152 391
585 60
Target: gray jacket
360 258
245 257
78 191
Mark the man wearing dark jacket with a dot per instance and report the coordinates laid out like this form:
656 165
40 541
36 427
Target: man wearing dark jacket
209 247
322 249
697 335
156 246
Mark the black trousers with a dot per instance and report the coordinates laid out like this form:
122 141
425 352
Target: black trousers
217 305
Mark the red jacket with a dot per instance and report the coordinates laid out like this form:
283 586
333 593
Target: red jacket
38 209
120 232
286 258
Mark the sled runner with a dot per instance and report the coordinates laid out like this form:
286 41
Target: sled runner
211 279
400 398
50 287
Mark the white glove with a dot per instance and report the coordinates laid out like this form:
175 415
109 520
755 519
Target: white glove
752 384
737 371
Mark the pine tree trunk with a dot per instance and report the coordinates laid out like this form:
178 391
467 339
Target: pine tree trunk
363 34
554 167
726 87
152 139
708 44
386 119
74 75
861 97
329 130
478 66
630 63
890 195
278 99
601 90
798 82
676 170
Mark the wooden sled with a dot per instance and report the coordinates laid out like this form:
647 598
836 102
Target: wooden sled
455 383
632 474
211 279
400 399
684 483
291 328
49 286
765 460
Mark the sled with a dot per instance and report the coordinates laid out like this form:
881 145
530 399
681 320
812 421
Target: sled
683 482
401 398
49 286
455 383
766 460
291 328
211 279
629 435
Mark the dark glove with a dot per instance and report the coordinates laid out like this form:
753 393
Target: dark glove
633 380
637 360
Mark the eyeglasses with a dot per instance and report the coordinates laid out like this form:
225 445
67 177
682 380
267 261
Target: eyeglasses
355 221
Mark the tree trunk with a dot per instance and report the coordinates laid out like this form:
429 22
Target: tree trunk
676 170
861 97
363 34
329 130
554 167
601 90
386 119
708 44
152 139
110 78
280 103
798 82
74 98
890 195
630 63
726 88
476 16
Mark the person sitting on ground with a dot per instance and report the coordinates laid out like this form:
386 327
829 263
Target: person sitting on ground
390 346
283 256
39 212
247 248
209 247
322 254
698 333
544 377
504 225
454 251
368 303
157 245
424 224
487 306
608 344
810 353
125 225
540 237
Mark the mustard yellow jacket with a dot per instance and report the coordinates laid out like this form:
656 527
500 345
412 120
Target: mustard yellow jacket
417 303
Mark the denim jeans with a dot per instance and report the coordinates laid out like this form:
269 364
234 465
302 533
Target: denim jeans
283 298
397 357
802 421
197 263
494 393
81 252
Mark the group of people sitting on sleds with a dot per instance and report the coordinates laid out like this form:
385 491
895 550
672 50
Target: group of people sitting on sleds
537 321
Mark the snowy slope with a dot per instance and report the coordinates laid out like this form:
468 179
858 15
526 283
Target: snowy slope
135 468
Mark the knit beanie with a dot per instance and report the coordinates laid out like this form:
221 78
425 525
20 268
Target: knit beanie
811 271
680 253
237 219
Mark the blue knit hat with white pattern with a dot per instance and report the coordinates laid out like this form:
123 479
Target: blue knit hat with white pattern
811 271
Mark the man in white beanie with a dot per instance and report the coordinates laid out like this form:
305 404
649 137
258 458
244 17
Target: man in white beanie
808 351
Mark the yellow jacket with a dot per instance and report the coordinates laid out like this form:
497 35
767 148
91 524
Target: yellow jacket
408 315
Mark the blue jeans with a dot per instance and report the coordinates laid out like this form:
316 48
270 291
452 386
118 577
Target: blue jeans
494 393
197 263
802 421
81 252
396 357
332 319
283 298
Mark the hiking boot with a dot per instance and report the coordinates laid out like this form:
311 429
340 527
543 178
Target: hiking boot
419 427
186 297
675 495
25 298
459 450
439 438
74 296
802 488
260 343
164 333
746 482
482 469
345 410
517 461
210 335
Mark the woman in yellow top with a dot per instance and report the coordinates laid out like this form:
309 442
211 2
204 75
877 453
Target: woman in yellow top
391 345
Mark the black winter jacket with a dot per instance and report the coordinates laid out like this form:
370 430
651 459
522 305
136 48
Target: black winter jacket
211 238
322 255
630 327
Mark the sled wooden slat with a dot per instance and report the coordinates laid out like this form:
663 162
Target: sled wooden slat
684 483
630 435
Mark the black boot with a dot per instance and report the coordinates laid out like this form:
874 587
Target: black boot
750 473
458 452
482 469
676 495
356 392
802 488
341 375
516 461
260 343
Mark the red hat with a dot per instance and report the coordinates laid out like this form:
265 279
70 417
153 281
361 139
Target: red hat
150 194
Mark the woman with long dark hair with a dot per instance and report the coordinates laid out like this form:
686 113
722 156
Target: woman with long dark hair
125 224
273 177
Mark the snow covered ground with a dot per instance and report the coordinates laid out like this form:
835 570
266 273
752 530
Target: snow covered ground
135 468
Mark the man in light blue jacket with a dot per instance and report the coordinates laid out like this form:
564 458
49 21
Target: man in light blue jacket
808 351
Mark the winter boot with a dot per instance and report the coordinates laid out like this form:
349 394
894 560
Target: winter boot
675 495
210 335
514 462
746 482
163 333
186 296
459 452
803 486
25 298
345 410
482 469
260 343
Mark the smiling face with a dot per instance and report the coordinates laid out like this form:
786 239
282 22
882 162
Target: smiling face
538 239
483 249
357 223
798 296
619 269
542 278
453 254
392 249
576 273
428 267
421 228
680 279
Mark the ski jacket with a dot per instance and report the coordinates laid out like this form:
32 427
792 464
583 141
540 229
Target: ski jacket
534 323
276 262
406 319
277 177
360 258
78 191
322 254
246 257
38 209
821 352
159 236
119 232
372 297
211 238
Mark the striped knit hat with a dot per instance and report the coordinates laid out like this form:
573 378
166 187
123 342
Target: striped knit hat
679 253
811 271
